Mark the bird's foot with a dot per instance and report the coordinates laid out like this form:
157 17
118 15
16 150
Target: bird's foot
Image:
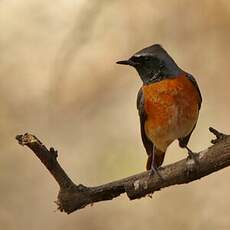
155 171
192 162
192 155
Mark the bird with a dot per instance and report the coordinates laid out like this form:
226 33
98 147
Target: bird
168 103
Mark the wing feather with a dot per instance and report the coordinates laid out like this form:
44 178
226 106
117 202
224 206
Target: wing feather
140 106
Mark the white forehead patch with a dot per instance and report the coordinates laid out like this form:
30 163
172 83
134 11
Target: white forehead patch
143 55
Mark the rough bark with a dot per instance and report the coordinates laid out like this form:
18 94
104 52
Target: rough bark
72 197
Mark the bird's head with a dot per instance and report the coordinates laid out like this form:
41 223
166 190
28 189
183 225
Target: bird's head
153 64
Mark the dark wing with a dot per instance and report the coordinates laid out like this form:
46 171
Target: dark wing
140 106
184 141
193 80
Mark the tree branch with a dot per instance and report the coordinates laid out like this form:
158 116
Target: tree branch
72 197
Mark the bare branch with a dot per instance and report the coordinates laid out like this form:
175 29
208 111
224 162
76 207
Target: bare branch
72 196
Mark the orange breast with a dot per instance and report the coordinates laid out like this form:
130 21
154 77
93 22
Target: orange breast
171 106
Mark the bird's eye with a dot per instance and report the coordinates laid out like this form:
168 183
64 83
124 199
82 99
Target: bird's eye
135 59
147 58
162 65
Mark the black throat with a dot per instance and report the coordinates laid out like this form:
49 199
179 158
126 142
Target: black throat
153 75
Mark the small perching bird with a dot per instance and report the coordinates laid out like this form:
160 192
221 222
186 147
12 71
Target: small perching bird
168 103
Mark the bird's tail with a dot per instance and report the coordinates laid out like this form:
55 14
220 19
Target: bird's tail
158 159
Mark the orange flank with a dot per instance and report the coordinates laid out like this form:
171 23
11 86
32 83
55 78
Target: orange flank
171 108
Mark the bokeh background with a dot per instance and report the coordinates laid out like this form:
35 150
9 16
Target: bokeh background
59 81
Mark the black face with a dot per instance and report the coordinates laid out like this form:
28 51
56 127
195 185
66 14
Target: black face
153 64
150 68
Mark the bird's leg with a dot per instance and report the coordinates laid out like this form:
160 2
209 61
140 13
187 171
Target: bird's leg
191 155
154 169
192 166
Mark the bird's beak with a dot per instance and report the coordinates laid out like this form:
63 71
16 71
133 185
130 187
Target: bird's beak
127 62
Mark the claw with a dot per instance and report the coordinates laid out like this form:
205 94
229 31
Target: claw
194 167
155 170
191 154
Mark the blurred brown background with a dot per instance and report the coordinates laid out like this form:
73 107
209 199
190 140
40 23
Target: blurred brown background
60 82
